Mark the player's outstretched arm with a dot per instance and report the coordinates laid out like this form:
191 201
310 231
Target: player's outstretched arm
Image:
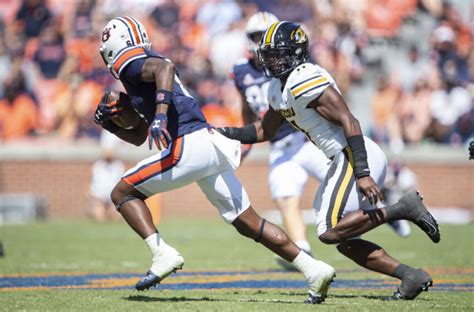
332 107
162 72
259 131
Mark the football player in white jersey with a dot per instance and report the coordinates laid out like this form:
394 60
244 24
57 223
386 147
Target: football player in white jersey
307 97
292 157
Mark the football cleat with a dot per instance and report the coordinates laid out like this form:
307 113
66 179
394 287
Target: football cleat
162 266
322 277
413 285
414 211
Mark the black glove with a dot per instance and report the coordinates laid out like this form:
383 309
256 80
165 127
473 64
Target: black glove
471 150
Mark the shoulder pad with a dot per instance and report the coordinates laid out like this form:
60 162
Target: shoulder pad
126 56
306 78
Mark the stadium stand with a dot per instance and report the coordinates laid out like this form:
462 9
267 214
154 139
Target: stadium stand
405 66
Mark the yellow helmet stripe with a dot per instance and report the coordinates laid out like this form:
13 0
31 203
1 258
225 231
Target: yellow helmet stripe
270 31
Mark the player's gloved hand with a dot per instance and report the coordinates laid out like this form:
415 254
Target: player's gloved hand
471 150
105 111
158 132
367 186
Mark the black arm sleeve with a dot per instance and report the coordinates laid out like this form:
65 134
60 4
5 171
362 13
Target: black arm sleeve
246 135
361 166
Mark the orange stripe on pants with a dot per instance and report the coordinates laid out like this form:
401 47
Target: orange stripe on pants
158 167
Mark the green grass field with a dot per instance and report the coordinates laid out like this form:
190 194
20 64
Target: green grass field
71 249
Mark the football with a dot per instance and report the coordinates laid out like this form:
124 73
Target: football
127 117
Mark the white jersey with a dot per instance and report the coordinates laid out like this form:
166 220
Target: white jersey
306 83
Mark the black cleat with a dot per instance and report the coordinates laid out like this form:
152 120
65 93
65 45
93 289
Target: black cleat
312 299
151 280
413 285
414 211
148 281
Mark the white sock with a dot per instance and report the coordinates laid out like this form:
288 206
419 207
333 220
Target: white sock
155 243
303 244
304 262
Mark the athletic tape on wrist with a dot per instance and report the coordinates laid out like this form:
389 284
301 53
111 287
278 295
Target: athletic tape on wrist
359 153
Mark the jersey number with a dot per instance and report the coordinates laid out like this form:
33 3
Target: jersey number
257 97
294 124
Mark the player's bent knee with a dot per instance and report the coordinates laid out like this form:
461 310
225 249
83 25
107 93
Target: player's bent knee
330 237
123 193
116 195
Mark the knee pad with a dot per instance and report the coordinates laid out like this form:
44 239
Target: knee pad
260 231
124 200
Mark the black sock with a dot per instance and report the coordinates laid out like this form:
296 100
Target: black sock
394 212
402 270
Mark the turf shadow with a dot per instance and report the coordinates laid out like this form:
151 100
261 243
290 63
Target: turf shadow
141 298
381 298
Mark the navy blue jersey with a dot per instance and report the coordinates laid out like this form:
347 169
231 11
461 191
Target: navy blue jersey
184 114
253 84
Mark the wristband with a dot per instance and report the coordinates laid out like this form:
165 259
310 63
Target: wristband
164 97
361 166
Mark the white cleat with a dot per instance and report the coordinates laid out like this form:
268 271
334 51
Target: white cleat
169 261
319 281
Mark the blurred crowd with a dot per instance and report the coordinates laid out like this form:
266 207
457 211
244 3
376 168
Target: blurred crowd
409 64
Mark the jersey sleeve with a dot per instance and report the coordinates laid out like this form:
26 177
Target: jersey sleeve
132 72
309 84
126 57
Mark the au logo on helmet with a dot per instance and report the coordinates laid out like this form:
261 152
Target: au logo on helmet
106 34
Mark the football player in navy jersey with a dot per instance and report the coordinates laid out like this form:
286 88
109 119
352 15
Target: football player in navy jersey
292 157
189 151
